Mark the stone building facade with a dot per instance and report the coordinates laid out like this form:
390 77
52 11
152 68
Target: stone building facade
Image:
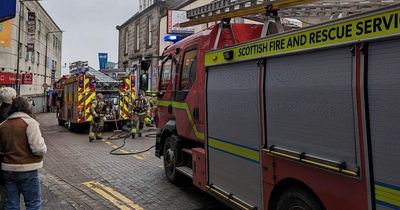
139 38
34 68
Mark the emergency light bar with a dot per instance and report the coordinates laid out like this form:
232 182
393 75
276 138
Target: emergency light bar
172 38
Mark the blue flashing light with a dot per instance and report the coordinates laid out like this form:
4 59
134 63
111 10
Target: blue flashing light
172 38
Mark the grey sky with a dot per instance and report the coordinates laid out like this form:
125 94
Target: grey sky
90 26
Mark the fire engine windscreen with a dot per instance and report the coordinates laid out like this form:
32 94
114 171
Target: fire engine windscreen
112 101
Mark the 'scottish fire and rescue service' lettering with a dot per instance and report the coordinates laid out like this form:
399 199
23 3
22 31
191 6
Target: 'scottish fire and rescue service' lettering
383 24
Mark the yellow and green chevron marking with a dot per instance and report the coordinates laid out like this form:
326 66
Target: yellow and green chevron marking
235 149
90 95
180 105
387 195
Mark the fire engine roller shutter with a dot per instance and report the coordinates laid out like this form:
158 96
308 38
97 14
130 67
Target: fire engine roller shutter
384 112
309 105
233 130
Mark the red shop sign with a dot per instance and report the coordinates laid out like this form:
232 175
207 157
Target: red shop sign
27 78
7 78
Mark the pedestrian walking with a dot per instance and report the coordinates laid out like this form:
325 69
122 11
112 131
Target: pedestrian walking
98 111
23 148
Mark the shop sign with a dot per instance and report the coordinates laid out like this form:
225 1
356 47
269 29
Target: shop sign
27 79
7 78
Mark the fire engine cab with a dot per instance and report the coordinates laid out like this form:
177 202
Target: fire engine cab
304 119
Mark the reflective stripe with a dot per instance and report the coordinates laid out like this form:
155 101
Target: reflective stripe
387 195
89 98
180 105
235 149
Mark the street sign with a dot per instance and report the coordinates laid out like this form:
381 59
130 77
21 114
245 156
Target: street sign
31 32
103 58
174 18
7 9
45 85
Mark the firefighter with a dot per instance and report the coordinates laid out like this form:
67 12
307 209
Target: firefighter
138 111
152 101
98 110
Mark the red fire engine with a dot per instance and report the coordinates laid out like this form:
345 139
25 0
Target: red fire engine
306 119
75 94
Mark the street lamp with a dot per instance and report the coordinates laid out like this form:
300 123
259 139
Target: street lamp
45 67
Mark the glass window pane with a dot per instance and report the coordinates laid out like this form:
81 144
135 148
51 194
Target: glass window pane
188 70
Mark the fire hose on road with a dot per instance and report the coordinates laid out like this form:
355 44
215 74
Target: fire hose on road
125 134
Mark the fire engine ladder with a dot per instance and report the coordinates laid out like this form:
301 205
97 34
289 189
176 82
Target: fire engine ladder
224 10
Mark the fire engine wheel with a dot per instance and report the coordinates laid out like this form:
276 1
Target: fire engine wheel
296 198
70 126
170 160
61 122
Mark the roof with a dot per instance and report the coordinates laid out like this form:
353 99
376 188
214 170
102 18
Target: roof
100 77
139 14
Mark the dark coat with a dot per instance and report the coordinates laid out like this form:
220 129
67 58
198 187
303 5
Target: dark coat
4 108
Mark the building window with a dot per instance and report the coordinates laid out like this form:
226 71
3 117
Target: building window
165 74
137 29
32 55
188 75
26 53
149 32
126 42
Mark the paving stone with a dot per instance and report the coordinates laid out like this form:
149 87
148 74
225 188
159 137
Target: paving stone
72 160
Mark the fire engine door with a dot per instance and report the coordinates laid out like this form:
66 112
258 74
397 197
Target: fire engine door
384 114
233 131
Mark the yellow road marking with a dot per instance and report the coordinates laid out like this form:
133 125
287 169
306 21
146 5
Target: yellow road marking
124 151
123 198
107 142
112 196
114 146
138 157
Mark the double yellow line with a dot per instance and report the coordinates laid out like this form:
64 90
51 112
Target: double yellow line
112 196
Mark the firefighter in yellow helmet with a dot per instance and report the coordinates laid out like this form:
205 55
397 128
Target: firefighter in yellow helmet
138 111
98 110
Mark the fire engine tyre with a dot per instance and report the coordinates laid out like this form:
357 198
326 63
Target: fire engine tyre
170 161
61 122
70 126
299 199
